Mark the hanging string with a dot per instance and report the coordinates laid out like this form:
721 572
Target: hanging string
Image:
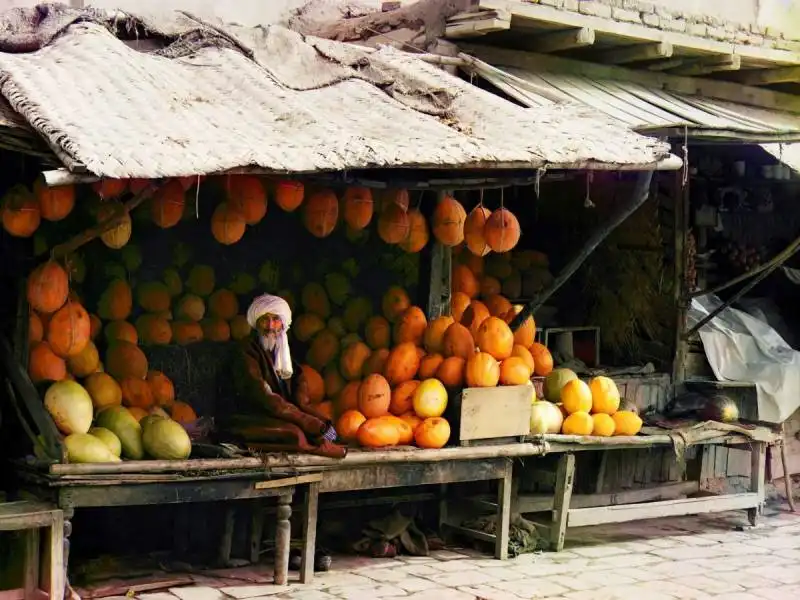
197 199
480 199
685 155
539 174
587 202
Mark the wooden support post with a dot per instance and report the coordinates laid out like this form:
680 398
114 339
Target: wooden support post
56 582
758 466
565 479
563 40
31 576
504 492
226 542
631 54
283 539
256 531
787 476
69 512
309 533
770 76
640 194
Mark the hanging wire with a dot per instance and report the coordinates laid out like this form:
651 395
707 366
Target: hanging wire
197 199
539 174
587 202
480 198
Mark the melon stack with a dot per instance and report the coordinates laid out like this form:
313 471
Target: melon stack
575 407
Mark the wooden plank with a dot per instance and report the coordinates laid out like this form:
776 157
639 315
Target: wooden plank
495 412
583 517
54 563
639 53
559 41
388 476
758 478
32 538
722 90
706 66
257 517
769 76
286 481
531 503
561 501
309 532
226 540
162 493
479 24
503 515
634 32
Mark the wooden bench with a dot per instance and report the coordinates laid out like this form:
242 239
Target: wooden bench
401 467
637 505
31 518
140 483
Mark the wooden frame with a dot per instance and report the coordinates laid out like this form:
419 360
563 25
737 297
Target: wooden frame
99 490
566 512
44 571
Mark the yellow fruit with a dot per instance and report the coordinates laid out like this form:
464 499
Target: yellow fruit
627 423
576 397
605 395
430 399
578 423
604 425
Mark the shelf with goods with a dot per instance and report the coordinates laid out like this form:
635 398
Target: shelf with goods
128 334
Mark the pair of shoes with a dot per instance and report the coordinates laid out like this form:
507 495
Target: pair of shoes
322 560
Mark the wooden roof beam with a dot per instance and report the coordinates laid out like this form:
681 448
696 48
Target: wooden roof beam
559 41
666 65
711 64
472 24
638 53
769 76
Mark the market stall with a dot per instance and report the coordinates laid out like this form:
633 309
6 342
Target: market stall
135 282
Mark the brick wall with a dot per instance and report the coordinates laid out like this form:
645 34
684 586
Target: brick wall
769 23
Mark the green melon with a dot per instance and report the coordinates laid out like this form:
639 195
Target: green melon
165 439
555 381
124 425
85 448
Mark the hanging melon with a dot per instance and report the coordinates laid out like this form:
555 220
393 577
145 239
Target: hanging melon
116 302
191 308
45 365
48 287
167 206
227 224
418 234
502 231
246 195
320 213
448 221
393 224
21 213
119 234
473 231
110 188
393 197
153 296
55 203
358 207
289 195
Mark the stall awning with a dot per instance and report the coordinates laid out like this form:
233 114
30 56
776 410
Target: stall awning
645 109
211 98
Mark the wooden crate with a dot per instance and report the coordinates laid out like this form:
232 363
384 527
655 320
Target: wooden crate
490 415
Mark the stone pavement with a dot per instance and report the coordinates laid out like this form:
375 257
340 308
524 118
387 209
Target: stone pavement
712 556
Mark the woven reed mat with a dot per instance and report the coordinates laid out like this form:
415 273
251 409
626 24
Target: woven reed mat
214 98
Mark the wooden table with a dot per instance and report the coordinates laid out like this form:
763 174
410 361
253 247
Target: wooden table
565 514
365 470
71 487
32 518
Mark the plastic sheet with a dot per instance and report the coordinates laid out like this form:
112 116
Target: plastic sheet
740 347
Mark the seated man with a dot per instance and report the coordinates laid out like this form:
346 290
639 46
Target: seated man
273 411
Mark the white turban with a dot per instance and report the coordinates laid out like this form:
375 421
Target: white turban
274 305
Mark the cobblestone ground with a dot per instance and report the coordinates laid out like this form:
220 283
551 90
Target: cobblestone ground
714 556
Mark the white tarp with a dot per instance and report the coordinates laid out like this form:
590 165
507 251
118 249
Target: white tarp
788 154
740 347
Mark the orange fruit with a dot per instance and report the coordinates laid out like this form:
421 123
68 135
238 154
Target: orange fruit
576 396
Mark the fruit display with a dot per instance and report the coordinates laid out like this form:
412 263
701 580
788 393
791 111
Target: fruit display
575 407
739 258
89 344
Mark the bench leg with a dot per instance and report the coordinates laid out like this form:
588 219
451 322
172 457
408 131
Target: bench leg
309 533
226 543
503 514
565 477
54 559
758 467
69 512
256 531
283 539
31 582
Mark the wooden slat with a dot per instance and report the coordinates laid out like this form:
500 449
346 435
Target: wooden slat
531 503
770 76
288 481
583 517
706 66
559 41
632 54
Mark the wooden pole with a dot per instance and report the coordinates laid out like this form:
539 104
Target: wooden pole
640 193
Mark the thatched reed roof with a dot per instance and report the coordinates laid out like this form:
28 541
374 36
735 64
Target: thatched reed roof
206 98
